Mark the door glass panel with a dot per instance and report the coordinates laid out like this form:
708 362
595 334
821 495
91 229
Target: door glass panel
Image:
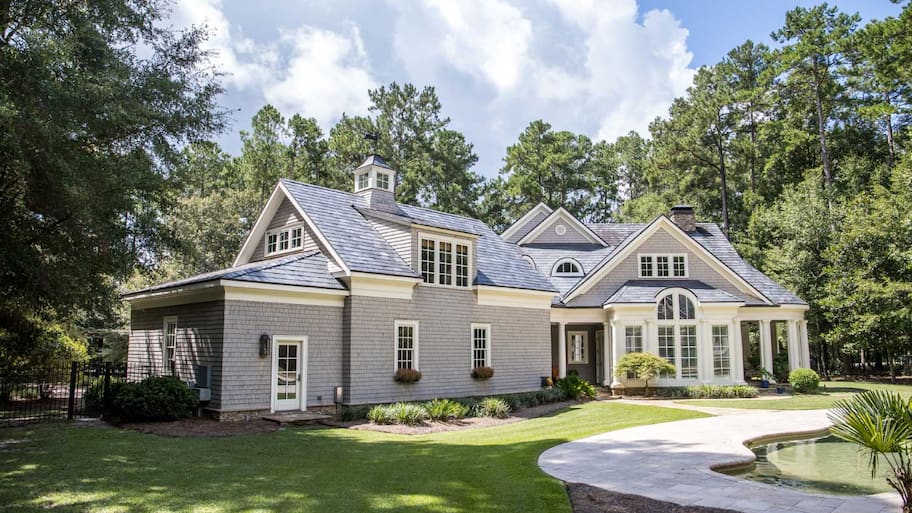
287 372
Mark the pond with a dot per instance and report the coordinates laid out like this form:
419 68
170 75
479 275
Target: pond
825 464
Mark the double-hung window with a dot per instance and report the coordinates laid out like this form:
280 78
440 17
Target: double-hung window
721 360
169 346
633 343
579 350
406 344
481 345
284 240
663 266
444 262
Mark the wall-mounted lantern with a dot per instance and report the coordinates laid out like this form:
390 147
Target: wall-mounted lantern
337 395
264 345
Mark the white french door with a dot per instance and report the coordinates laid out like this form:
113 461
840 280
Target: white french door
288 376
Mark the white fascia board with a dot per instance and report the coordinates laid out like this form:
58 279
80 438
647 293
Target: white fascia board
675 231
379 285
578 315
561 214
286 294
192 293
772 313
519 298
259 228
541 207
445 231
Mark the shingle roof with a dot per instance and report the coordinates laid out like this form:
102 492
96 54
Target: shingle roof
337 216
647 291
301 270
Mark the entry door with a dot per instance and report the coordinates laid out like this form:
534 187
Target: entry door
288 375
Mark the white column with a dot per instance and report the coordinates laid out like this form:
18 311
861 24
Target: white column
617 350
766 346
562 350
647 338
704 352
805 346
607 356
794 351
736 352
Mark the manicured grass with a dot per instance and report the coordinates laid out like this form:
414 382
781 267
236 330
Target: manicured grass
65 468
830 392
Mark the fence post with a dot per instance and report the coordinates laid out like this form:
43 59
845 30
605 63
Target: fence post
71 403
106 398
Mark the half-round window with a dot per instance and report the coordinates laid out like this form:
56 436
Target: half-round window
529 261
567 267
665 311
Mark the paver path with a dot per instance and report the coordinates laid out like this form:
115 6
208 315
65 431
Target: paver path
672 462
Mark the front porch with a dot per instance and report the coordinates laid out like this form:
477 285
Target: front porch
725 344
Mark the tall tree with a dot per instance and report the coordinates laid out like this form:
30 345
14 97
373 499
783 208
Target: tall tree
90 129
814 49
432 160
264 154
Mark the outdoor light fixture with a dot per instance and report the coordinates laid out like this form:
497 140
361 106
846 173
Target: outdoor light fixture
264 345
337 396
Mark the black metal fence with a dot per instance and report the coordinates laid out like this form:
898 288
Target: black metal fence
60 392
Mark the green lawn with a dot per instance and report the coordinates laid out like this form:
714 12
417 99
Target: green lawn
831 391
63 468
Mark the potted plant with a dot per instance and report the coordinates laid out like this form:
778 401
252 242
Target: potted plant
765 376
407 376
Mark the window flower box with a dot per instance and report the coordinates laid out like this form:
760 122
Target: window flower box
482 373
407 376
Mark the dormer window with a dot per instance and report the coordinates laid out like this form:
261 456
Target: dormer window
363 180
663 266
567 267
284 240
383 181
444 262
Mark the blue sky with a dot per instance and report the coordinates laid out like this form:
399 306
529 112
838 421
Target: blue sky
601 68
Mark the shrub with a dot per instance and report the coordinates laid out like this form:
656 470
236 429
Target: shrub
575 387
381 414
804 381
445 410
644 366
157 398
94 394
550 395
482 373
349 413
492 407
720 391
406 376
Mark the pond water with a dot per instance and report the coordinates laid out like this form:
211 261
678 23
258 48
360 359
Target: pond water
820 465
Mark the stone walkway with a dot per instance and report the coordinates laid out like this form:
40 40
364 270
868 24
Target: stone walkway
673 461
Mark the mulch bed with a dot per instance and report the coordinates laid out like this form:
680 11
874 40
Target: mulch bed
589 499
203 427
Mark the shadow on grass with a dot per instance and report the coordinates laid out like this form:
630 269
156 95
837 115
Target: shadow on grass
298 470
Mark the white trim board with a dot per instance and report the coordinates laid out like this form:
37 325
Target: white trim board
522 221
567 217
662 222
302 361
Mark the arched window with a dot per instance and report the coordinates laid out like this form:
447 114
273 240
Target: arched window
567 267
677 334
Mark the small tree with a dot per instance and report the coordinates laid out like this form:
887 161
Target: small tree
644 366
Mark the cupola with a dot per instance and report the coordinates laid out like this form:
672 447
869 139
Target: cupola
375 181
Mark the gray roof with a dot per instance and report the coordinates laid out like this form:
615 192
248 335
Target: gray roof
375 160
336 214
647 291
300 270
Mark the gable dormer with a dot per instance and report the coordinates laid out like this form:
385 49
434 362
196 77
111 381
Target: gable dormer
375 181
526 223
560 227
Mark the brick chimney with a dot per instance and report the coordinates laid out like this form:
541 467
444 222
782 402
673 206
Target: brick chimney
683 216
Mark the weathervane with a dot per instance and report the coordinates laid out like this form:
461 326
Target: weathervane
374 138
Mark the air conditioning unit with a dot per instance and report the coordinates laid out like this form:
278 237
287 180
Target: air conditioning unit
203 379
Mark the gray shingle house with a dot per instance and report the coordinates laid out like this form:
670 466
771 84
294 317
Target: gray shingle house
335 289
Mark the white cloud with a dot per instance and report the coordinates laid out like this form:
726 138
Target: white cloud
326 75
316 72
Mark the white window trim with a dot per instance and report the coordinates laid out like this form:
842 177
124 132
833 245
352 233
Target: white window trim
728 349
470 277
278 231
585 360
642 336
652 258
565 260
487 328
377 176
302 365
367 184
165 322
677 323
396 326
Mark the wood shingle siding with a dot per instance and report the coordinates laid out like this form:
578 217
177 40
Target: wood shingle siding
199 341
398 236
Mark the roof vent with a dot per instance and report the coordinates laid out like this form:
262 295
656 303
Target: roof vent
683 216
